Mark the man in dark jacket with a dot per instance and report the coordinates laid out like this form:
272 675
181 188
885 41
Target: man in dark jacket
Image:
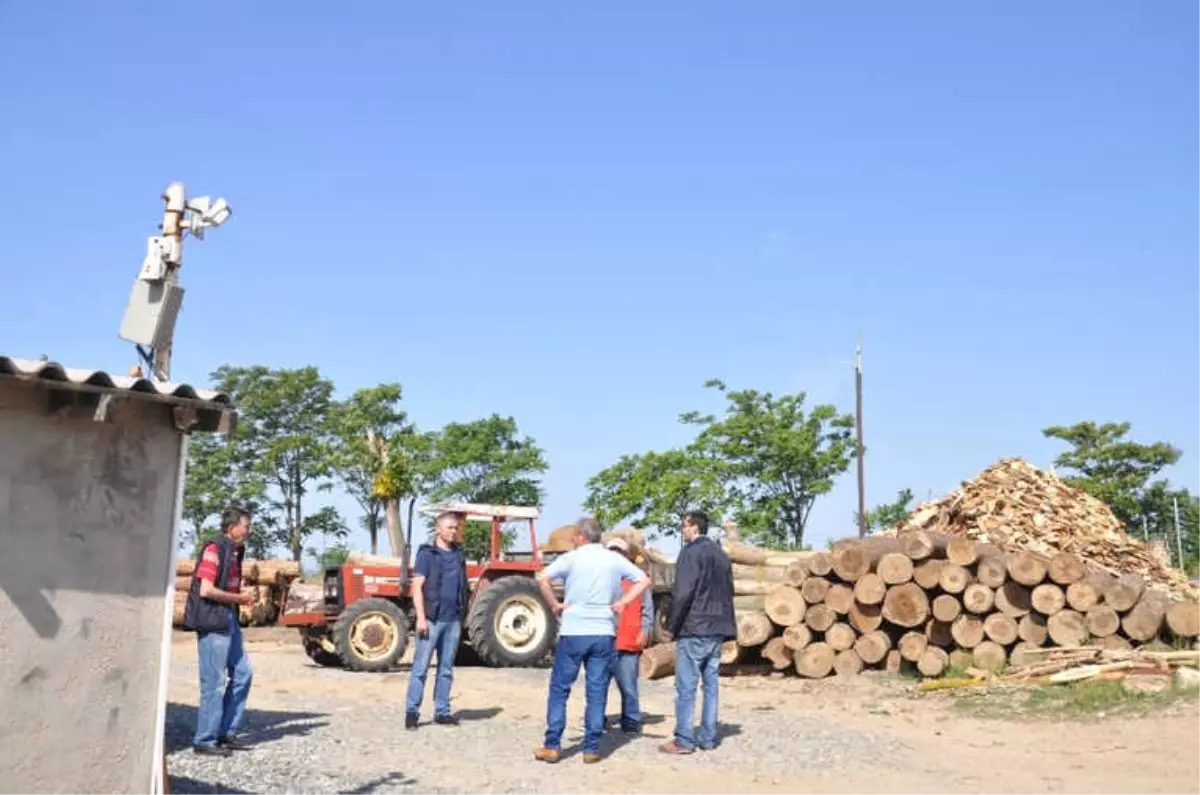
212 613
701 619
440 597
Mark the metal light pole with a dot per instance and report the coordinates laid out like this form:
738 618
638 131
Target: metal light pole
858 423
1178 535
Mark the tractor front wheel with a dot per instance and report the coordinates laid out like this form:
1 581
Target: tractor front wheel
319 647
371 635
510 624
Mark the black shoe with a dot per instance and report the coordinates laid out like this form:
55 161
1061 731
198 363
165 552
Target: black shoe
233 744
445 720
631 729
210 750
410 721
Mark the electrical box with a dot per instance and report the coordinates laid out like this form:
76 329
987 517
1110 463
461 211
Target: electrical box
151 313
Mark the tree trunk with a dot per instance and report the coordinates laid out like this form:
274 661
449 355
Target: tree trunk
840 636
1048 599
895 568
1183 619
978 599
1066 568
815 660
658 661
797 636
819 617
946 607
785 606
391 512
928 573
919 545
1014 599
754 629
991 571
865 618
967 631
763 574
906 605
989 655
1067 629
870 589
1001 629
1145 620
847 663
1032 629
933 661
954 579
814 589
912 645
1102 621
373 531
873 646
839 598
853 559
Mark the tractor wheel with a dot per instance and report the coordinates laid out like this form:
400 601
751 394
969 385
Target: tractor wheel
316 651
371 635
510 625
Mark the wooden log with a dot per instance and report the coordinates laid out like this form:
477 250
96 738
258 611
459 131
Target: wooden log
815 660
962 659
1032 630
731 652
954 579
814 589
873 646
183 583
1145 620
870 589
839 598
946 607
1067 629
847 663
1183 619
893 663
749 604
1082 596
967 631
658 661
928 573
992 571
853 559
282 572
820 564
784 605
865 618
177 618
778 654
754 629
744 553
989 655
961 551
1102 621
1024 654
895 568
906 605
912 645
1124 593
978 599
1014 599
1048 599
772 574
185 567
1066 568
795 573
797 636
920 545
751 588
1026 568
1116 643
840 636
1001 629
933 661
938 633
819 617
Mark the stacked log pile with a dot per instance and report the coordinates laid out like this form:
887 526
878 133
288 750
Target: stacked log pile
269 580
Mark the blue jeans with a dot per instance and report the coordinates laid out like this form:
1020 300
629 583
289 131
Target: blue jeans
222 703
443 637
625 674
594 653
696 660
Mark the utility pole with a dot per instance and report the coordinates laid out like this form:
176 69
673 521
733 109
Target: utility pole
157 297
1145 532
1178 535
858 427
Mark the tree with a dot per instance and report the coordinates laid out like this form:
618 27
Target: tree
1111 468
482 461
371 441
330 557
286 440
883 516
776 459
653 491
220 474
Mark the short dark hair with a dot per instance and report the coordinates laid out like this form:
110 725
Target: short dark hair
698 520
444 515
232 517
590 529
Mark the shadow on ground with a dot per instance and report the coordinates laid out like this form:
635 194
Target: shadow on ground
260 725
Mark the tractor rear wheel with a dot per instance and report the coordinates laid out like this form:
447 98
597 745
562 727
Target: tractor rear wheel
510 625
371 635
317 651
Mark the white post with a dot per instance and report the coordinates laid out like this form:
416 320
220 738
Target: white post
1145 532
1178 535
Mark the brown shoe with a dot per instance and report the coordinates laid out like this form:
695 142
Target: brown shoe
548 755
675 750
591 759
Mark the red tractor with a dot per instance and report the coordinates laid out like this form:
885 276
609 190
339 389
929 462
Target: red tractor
366 615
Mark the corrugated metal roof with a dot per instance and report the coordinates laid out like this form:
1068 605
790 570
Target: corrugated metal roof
31 369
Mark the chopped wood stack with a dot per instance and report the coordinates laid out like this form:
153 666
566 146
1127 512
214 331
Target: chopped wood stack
1017 507
269 580
927 601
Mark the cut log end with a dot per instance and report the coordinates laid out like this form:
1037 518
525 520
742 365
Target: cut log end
839 598
989 655
814 589
967 631
873 646
819 618
1067 629
1082 596
1001 629
658 661
777 653
1183 619
815 660
946 607
991 571
840 636
785 605
797 637
870 589
961 551
933 661
1032 630
1014 599
754 629
912 645
895 568
1066 568
906 605
928 573
847 663
866 618
1102 621
1026 569
954 579
1048 599
820 564
978 599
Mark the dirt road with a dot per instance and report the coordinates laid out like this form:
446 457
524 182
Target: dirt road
323 730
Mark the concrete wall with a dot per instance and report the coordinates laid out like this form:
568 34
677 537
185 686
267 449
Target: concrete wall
86 511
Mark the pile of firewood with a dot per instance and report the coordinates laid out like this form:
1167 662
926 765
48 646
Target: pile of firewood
929 601
269 580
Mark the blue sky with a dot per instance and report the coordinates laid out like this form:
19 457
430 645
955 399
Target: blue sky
578 215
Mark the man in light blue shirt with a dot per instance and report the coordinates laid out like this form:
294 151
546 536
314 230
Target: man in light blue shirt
592 601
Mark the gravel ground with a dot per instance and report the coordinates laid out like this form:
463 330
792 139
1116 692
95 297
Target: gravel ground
340 732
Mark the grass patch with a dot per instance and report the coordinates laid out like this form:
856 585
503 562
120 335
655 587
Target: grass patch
1078 701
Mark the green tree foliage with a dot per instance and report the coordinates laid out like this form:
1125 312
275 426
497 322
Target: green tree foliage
883 516
653 491
485 461
330 557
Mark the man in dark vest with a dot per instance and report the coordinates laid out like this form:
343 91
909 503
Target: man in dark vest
212 613
439 594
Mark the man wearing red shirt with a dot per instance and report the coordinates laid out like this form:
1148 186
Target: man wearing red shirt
633 634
